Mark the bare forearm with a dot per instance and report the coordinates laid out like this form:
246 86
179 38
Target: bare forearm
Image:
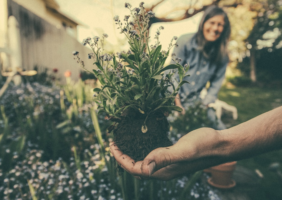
256 136
207 147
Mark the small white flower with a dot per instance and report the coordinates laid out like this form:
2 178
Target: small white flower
116 18
151 14
96 39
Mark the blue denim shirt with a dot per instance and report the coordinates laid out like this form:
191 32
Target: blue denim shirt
201 70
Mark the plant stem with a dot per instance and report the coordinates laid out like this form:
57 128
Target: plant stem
190 184
136 188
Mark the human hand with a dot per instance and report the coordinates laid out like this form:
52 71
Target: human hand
178 103
183 110
169 162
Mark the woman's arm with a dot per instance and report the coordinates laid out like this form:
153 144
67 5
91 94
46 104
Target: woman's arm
180 53
207 147
215 84
178 103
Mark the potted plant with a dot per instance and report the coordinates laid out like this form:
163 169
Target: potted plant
134 90
221 175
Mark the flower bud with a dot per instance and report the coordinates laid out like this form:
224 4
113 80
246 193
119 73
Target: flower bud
126 17
96 39
116 18
127 5
75 53
137 10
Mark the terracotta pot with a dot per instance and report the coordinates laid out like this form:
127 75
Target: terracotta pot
221 175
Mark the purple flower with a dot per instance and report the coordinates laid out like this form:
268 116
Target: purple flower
124 30
127 5
126 17
137 10
96 39
75 53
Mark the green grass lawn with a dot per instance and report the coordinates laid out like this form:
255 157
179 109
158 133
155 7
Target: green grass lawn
251 102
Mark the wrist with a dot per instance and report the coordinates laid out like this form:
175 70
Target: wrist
212 144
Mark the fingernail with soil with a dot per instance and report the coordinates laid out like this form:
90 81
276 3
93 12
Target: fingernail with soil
151 167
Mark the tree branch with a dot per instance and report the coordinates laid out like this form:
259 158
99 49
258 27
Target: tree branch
186 15
155 5
173 10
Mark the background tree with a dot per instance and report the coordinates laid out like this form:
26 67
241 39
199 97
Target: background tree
266 33
185 9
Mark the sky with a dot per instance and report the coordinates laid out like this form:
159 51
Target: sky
97 15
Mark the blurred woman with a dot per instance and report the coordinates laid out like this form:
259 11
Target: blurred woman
206 54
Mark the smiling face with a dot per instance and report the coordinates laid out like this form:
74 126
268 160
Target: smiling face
213 28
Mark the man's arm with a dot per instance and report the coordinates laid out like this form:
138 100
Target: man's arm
206 147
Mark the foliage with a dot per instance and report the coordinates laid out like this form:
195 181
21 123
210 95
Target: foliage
195 117
267 26
241 20
268 69
54 155
135 79
43 115
33 178
241 81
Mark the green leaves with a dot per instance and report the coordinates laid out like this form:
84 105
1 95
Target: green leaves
138 96
175 108
97 90
158 77
136 79
99 65
169 67
181 83
129 61
155 54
